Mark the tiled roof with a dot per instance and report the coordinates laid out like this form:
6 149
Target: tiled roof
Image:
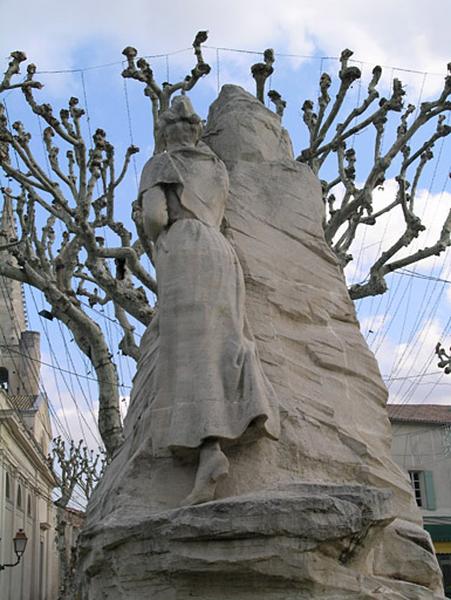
22 401
420 413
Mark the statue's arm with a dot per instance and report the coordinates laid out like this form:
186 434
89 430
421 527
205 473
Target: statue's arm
155 211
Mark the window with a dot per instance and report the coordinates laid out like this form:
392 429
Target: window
19 496
416 479
423 489
4 379
29 513
8 487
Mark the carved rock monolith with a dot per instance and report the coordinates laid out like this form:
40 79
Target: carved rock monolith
323 512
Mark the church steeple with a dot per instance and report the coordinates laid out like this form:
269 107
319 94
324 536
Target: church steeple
19 348
12 303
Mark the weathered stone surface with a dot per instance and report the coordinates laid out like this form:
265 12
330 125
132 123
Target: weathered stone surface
334 422
407 552
334 426
241 135
300 541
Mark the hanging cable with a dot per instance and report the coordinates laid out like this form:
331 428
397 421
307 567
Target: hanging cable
80 415
87 399
48 339
407 308
167 68
232 50
130 129
12 354
218 86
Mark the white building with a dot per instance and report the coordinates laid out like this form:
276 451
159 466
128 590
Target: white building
26 481
422 448
26 485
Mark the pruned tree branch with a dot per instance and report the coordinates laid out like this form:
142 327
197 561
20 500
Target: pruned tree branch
79 193
127 345
356 207
13 69
278 102
444 358
261 71
160 95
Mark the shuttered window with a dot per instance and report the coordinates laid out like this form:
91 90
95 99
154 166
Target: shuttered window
423 489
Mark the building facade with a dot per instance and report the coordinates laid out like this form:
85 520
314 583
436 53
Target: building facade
26 480
26 485
422 448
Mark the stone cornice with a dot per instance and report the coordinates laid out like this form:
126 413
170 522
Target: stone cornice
27 444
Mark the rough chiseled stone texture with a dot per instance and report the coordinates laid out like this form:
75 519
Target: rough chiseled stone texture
301 541
298 540
267 544
334 422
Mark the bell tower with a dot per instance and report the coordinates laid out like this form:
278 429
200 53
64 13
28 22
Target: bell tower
19 348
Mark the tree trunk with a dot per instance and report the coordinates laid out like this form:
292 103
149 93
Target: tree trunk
63 566
90 340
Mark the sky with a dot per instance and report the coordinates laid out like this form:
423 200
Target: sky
83 42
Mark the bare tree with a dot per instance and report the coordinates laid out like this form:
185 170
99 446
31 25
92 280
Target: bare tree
329 137
78 193
160 96
75 467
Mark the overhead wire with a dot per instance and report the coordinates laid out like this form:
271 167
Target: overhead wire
412 386
80 415
232 50
415 332
424 303
70 389
218 86
406 309
390 301
423 316
74 371
31 365
57 386
130 128
61 369
87 398
18 334
114 343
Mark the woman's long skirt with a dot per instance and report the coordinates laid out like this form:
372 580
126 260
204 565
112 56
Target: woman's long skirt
199 366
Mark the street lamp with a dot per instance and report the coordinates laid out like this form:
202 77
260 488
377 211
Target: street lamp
20 543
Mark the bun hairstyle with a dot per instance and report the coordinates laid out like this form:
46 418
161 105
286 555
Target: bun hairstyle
181 110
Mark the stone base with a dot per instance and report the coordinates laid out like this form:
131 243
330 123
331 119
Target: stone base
299 542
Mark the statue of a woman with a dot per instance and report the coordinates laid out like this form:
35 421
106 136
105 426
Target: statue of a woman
199 366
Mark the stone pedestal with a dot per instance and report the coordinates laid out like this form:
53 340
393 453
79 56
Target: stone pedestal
300 541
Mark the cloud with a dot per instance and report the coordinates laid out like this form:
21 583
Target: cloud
410 368
371 241
371 324
403 34
68 404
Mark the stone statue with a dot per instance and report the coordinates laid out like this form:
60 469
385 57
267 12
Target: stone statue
200 363
321 514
